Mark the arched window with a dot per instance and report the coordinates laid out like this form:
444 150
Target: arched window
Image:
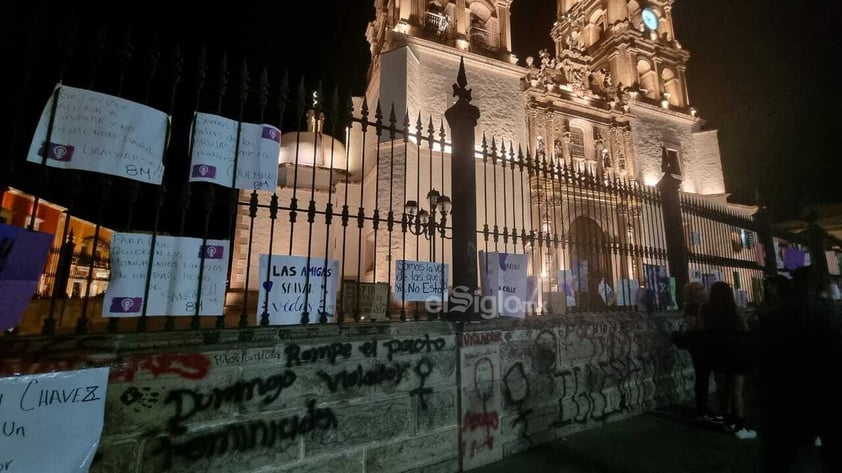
595 28
577 143
672 86
646 79
483 31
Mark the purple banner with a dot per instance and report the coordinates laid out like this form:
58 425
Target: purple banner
23 255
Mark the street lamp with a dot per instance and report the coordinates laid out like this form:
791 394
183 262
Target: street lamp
420 222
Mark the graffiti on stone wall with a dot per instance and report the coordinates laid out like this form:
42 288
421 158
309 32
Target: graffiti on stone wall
357 378
481 338
515 394
247 436
413 346
424 368
483 420
332 370
191 366
139 399
592 372
189 402
480 416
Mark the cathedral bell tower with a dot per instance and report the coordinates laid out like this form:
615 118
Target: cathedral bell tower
627 44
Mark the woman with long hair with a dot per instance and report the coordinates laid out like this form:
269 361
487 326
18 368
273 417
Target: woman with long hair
728 355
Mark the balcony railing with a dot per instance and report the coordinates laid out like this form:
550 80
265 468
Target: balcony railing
438 25
483 40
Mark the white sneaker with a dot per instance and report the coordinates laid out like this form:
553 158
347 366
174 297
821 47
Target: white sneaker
745 434
818 442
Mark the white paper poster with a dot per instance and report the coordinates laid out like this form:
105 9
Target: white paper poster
606 292
504 280
174 286
419 281
832 262
566 286
294 288
212 159
627 292
51 422
97 132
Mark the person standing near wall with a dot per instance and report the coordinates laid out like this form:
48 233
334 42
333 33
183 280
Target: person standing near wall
728 355
696 343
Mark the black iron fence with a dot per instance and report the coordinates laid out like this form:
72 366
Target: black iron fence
723 245
357 226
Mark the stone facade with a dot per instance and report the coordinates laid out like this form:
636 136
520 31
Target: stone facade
367 398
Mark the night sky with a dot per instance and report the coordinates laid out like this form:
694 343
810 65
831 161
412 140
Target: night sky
760 72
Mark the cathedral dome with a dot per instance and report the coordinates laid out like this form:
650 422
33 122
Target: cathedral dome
313 149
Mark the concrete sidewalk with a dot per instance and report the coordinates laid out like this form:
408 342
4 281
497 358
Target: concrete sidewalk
665 441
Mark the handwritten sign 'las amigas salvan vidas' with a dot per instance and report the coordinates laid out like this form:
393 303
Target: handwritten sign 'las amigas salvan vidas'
293 285
51 422
92 131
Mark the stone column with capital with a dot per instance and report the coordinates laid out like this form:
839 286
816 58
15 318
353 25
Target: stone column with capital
659 86
682 78
461 19
419 9
462 118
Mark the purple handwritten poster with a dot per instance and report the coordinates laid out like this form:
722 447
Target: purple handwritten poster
23 255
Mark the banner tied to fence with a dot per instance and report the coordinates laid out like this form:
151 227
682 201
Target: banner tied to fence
174 286
23 254
92 131
215 153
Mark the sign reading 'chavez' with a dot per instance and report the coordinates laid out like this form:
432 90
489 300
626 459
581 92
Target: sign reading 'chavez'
51 422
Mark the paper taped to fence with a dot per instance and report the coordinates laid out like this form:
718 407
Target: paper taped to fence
23 255
420 281
294 287
504 280
174 285
52 422
97 132
214 147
